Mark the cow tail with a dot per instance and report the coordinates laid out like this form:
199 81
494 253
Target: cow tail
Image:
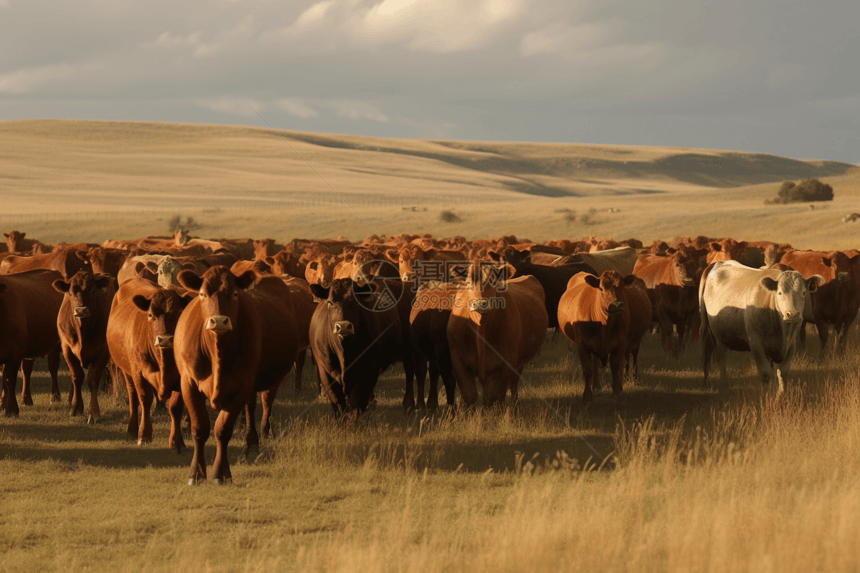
709 341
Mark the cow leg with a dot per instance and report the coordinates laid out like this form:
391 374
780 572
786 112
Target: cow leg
433 395
10 380
841 330
300 365
420 379
448 379
802 337
763 365
77 371
588 362
682 332
252 439
267 397
53 369
330 389
823 336
223 432
175 408
466 381
145 395
94 377
616 366
667 332
409 397
133 423
695 320
26 371
200 427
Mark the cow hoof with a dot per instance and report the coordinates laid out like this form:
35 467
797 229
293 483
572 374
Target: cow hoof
91 420
192 481
11 414
55 398
27 401
218 481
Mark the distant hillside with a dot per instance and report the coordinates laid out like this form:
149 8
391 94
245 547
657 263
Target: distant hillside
91 180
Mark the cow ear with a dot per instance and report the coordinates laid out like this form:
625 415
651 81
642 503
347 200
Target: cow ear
813 282
141 302
151 267
319 291
629 280
592 281
269 261
6 235
246 280
189 280
23 235
716 247
392 255
769 283
827 262
103 281
61 286
494 255
314 265
82 255
139 267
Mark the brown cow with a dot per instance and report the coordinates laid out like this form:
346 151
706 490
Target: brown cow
321 270
28 312
104 260
411 259
284 263
65 260
837 300
304 306
672 283
16 243
496 327
82 324
140 335
237 338
595 314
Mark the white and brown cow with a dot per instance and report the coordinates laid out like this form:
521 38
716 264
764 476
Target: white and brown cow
753 310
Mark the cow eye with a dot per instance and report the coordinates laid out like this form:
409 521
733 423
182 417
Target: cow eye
149 316
201 295
236 294
328 302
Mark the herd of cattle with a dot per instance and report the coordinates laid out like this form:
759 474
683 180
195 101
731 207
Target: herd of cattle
189 320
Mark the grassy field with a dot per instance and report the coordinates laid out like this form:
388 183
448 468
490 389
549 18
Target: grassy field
691 479
673 477
90 181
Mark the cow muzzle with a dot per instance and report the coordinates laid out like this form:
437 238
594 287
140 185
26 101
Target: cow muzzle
81 312
479 305
792 316
615 306
343 328
164 341
408 277
219 324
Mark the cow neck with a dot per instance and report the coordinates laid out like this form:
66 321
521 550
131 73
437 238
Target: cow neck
93 327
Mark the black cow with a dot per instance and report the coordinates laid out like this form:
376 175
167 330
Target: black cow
353 341
553 279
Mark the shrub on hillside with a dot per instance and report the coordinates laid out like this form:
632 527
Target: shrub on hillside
175 223
449 217
806 191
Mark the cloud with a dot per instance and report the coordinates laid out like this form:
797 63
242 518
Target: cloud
246 107
358 110
24 80
296 107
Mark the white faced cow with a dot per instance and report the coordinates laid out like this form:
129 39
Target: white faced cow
753 310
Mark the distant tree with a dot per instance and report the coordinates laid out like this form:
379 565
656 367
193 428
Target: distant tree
449 217
806 191
175 223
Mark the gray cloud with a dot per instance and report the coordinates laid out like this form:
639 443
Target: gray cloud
767 76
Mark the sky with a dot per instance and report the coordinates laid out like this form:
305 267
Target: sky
771 76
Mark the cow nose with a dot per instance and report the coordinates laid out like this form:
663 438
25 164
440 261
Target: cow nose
343 328
616 306
791 316
164 341
81 312
219 324
688 282
479 305
408 277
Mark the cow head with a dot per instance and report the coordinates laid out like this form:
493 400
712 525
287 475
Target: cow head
65 260
321 271
345 302
284 263
483 280
610 285
407 257
368 266
219 291
181 237
81 292
168 270
790 291
15 241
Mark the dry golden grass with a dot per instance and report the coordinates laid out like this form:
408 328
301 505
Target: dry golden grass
691 479
694 480
90 180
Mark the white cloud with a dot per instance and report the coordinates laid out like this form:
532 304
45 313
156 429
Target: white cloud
313 15
353 109
296 107
246 107
24 80
561 37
